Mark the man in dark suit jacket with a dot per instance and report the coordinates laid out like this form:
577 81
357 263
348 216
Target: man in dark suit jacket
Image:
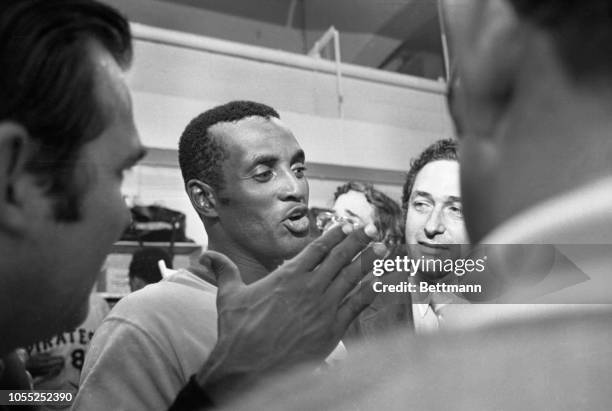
434 230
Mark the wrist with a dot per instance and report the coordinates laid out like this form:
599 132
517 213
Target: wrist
221 381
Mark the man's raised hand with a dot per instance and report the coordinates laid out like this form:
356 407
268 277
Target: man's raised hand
296 314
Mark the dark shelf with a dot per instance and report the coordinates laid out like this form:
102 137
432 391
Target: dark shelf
126 247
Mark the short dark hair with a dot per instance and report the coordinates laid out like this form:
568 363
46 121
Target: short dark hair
200 153
387 213
440 150
144 264
581 29
47 83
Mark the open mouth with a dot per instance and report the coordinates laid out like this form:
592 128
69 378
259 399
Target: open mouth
297 222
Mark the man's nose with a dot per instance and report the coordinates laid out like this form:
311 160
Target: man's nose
435 223
293 188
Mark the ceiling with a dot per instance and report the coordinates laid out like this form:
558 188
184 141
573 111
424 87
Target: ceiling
407 30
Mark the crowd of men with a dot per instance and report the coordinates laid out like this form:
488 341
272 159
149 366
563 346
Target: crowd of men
530 95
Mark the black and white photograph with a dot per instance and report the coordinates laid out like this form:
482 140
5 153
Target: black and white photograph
305 205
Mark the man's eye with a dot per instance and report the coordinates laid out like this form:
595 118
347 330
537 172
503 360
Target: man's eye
420 205
299 171
456 211
354 220
264 176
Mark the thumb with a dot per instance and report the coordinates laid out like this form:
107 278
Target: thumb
224 269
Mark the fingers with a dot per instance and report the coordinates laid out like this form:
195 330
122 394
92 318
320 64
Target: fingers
343 254
224 269
44 364
56 370
55 366
45 358
56 361
356 302
39 357
350 276
316 251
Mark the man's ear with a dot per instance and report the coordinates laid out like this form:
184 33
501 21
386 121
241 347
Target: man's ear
15 149
203 198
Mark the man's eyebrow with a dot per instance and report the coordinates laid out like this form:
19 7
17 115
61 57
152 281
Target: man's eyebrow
349 212
422 194
298 157
135 157
267 159
454 199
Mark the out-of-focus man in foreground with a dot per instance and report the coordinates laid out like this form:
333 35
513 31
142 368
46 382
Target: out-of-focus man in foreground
66 137
531 100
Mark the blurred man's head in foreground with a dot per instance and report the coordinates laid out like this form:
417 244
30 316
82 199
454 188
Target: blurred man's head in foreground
66 136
